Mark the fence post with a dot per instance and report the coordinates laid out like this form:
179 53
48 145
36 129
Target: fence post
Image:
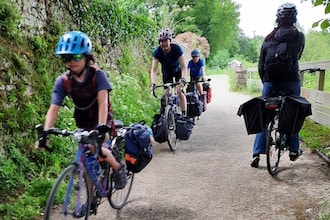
321 79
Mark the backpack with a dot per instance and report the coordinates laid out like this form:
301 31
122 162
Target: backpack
184 126
158 128
194 105
67 87
138 148
278 62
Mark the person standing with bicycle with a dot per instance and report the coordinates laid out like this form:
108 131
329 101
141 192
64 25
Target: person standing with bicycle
172 64
286 32
91 104
196 69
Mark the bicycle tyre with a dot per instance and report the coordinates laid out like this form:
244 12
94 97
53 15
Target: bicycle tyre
65 189
118 197
170 127
272 149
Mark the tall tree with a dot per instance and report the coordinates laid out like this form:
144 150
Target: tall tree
213 19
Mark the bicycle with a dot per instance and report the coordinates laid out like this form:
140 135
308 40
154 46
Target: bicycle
194 109
276 140
71 190
171 109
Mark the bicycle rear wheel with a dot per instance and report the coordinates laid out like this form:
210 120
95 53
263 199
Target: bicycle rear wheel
69 193
170 128
272 149
118 197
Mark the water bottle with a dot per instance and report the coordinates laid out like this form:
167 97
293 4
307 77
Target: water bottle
93 165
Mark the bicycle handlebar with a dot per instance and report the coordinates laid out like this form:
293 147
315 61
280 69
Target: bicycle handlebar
93 137
166 86
208 80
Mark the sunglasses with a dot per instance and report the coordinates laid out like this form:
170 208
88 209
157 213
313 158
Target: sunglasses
68 57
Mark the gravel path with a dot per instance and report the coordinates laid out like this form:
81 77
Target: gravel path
209 176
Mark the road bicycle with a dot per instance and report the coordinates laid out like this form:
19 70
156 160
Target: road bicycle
276 140
71 190
171 109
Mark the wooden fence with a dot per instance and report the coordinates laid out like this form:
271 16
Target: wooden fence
319 99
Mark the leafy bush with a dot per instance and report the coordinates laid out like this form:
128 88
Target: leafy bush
9 20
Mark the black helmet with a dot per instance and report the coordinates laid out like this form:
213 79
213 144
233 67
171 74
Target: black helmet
287 12
195 53
164 35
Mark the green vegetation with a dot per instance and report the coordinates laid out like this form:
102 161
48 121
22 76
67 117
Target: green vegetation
123 37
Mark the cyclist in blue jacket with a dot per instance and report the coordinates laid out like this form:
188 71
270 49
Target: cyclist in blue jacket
196 69
170 56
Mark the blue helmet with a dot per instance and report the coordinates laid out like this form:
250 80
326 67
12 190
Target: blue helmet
195 53
74 42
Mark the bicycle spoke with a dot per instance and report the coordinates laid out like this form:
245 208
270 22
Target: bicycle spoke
118 197
170 127
272 148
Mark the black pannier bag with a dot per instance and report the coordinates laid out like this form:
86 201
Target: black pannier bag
293 113
184 126
194 105
255 115
203 100
190 87
158 128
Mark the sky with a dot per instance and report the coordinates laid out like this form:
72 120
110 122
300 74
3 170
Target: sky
257 17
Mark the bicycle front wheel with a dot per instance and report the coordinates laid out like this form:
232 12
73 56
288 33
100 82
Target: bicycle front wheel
68 195
170 128
272 149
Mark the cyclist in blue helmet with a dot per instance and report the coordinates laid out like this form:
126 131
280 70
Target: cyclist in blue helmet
92 105
285 31
170 56
196 69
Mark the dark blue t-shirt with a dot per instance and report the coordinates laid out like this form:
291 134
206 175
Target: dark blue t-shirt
196 68
170 62
58 94
83 94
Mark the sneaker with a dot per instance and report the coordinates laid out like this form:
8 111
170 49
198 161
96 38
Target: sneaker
255 162
83 209
295 155
120 177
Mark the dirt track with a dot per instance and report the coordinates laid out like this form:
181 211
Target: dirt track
209 177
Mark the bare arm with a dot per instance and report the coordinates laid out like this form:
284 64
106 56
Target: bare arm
102 99
183 67
153 71
51 116
203 71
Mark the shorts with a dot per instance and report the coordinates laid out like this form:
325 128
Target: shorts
196 78
169 78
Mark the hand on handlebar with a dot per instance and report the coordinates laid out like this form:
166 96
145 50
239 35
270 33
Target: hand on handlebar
152 87
183 82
